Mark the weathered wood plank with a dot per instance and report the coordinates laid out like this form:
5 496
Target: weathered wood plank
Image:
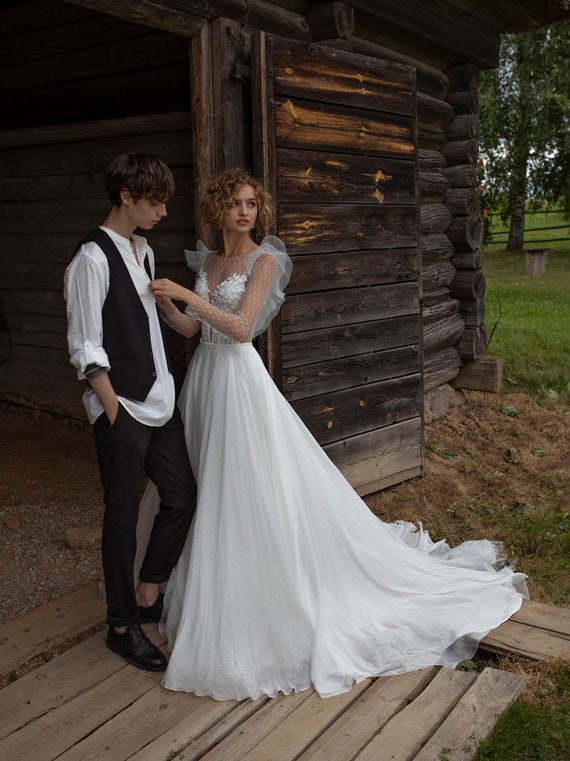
341 129
443 333
434 218
321 177
474 717
298 730
527 641
484 374
380 458
541 616
440 367
47 627
194 736
346 340
50 735
171 16
342 307
405 734
346 227
435 247
366 716
335 76
340 414
438 274
434 186
321 378
321 272
240 742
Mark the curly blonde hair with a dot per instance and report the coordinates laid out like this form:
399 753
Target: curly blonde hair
221 192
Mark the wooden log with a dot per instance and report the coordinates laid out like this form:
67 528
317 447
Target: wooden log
468 284
462 176
345 340
329 20
317 177
342 414
473 312
461 151
433 113
473 343
484 374
435 248
463 76
441 367
430 160
434 186
319 73
272 18
433 140
169 15
346 306
348 269
430 80
463 127
437 306
468 260
325 377
466 233
434 218
330 127
443 333
437 275
380 458
343 227
464 101
463 201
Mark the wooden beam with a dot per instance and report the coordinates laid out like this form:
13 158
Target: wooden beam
175 16
485 374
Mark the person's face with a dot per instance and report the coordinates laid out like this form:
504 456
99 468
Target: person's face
144 213
242 214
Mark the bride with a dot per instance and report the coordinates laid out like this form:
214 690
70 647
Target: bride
287 579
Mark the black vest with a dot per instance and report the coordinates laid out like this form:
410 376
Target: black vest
126 330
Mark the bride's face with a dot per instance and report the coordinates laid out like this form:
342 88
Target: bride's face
243 212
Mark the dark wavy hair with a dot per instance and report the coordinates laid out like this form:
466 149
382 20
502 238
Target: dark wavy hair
143 175
221 192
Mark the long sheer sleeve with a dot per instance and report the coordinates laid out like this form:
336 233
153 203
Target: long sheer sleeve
239 325
184 323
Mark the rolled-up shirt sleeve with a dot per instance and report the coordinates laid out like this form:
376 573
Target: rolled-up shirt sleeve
86 283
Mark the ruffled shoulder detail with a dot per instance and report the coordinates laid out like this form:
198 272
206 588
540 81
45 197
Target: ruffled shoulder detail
195 259
283 268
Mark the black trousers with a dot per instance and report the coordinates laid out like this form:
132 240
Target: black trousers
125 450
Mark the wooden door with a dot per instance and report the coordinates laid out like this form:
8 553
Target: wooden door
335 142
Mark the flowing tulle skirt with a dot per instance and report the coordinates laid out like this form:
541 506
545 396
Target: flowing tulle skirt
287 578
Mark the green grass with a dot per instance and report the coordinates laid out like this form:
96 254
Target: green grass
534 733
533 312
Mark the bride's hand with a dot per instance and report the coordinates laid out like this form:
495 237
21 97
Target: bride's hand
167 289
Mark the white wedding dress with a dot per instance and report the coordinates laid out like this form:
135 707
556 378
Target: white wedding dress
287 579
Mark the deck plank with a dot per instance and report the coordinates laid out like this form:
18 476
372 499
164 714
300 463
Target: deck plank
513 638
50 625
239 742
403 736
551 618
366 716
52 734
210 723
302 726
474 717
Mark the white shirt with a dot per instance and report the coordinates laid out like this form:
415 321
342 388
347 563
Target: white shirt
86 284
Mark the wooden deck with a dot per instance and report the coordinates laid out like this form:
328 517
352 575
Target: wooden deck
86 703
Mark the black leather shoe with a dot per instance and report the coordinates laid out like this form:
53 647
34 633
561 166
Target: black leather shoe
151 613
136 648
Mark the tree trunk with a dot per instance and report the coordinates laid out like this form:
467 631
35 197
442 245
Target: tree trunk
515 242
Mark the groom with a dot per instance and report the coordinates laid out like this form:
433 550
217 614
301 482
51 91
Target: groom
115 343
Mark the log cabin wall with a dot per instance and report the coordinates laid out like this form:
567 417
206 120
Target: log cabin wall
78 88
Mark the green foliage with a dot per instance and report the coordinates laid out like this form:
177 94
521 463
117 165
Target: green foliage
533 329
524 120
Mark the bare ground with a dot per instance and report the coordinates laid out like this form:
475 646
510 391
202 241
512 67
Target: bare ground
489 456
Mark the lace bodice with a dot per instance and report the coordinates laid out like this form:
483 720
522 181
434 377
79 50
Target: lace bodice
226 296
